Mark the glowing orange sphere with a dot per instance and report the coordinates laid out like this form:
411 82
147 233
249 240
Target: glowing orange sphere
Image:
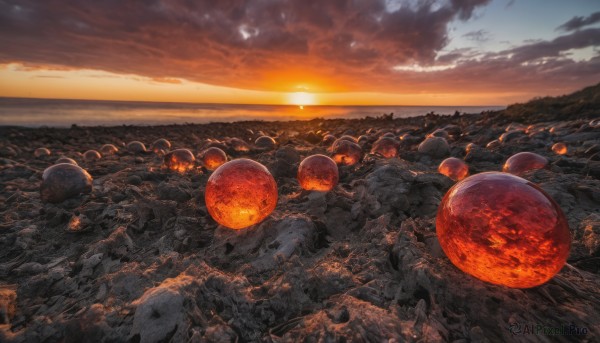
239 145
180 160
212 158
66 160
160 146
240 193
386 147
318 173
522 162
108 149
454 168
63 181
39 152
560 148
346 153
136 147
504 230
91 155
265 142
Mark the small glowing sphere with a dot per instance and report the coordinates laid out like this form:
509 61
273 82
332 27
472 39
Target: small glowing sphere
318 173
212 158
504 230
560 148
39 152
160 146
454 168
386 147
265 142
180 160
108 149
63 181
522 162
91 155
328 139
239 145
240 193
346 153
470 147
136 147
66 160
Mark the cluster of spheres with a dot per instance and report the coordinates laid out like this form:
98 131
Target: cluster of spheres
503 229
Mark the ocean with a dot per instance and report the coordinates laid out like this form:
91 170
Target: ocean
64 113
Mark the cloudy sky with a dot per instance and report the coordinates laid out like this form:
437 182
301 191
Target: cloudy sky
412 52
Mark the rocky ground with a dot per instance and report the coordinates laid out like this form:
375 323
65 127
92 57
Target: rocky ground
140 260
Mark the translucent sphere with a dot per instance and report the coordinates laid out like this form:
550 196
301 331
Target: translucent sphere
522 162
240 193
66 160
212 158
386 147
63 181
91 155
161 146
108 149
454 168
318 173
349 138
136 147
39 152
238 145
265 142
504 230
436 147
328 139
346 153
560 148
180 160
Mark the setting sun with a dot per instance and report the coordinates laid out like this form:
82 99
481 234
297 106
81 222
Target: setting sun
301 99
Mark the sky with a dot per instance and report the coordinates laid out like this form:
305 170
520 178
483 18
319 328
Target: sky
302 52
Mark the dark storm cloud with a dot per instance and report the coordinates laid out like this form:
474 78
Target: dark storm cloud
578 22
269 44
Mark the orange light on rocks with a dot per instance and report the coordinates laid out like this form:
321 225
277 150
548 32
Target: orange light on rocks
212 158
161 146
454 168
63 181
108 149
91 155
240 193
39 152
265 142
136 147
386 147
560 148
522 162
180 160
504 230
345 152
318 173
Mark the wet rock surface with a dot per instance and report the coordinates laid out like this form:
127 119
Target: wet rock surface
140 260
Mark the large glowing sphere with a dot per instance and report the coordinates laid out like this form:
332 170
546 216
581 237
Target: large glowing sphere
39 152
240 193
522 162
318 173
108 149
560 148
386 147
136 147
91 155
212 158
346 153
265 142
454 168
63 181
161 146
504 230
180 160
66 160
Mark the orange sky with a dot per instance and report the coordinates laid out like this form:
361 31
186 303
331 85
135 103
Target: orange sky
376 52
